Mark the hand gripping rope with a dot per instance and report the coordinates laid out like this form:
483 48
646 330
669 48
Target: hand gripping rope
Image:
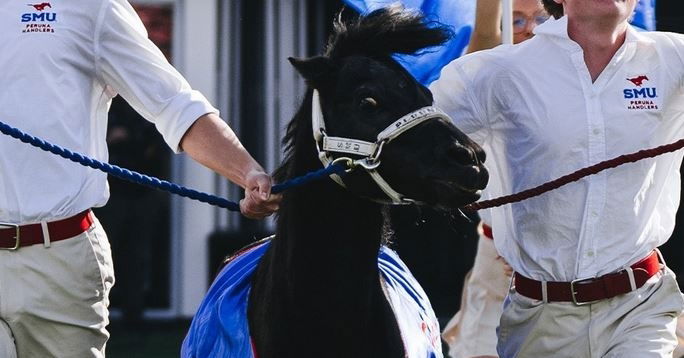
338 169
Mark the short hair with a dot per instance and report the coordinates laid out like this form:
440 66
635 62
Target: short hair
553 8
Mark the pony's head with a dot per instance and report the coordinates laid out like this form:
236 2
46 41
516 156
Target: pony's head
371 110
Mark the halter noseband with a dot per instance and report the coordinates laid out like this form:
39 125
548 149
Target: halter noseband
369 151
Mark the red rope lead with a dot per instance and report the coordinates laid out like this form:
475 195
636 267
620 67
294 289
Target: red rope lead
557 183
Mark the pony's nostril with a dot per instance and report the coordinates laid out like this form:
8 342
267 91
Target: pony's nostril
462 155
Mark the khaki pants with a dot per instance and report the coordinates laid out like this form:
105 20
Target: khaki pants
53 300
639 324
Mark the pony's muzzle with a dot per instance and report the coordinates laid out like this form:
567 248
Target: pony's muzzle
465 155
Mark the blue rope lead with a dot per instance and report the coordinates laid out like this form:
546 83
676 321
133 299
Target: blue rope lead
157 183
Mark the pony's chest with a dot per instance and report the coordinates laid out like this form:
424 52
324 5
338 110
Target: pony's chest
417 323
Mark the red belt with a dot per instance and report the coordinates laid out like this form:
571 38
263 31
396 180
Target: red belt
487 231
14 236
590 290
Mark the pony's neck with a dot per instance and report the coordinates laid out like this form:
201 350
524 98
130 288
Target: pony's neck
327 227
319 283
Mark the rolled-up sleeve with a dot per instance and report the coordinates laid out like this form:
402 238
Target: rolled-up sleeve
134 67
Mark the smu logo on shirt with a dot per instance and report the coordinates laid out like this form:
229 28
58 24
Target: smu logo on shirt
40 15
640 97
641 92
38 20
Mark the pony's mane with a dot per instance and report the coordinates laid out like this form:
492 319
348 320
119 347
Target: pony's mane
301 118
383 32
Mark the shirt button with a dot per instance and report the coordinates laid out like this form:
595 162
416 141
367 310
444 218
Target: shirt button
594 214
590 253
596 131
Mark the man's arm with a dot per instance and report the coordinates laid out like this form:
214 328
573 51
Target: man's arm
211 142
487 31
129 63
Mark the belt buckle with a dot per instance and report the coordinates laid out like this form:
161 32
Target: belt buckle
17 239
573 293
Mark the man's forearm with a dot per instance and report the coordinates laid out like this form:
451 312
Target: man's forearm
211 142
487 31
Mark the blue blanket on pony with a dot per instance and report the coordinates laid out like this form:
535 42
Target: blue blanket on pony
220 328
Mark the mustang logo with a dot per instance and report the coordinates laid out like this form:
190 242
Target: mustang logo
41 6
638 81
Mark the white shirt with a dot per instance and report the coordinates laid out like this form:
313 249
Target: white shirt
535 106
60 67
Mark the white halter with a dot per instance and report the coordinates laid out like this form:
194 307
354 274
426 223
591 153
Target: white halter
370 151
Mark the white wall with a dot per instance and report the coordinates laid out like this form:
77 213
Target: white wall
196 58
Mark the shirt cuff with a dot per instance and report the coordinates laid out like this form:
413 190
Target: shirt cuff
180 114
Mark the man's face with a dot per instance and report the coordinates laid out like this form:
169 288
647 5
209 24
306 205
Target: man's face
527 14
618 10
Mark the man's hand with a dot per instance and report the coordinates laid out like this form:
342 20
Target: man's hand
258 202
212 143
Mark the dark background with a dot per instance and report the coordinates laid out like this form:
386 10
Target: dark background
670 17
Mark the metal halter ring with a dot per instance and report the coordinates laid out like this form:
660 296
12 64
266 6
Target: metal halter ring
375 157
368 163
372 162
347 162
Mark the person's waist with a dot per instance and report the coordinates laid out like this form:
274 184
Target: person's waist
37 214
592 289
485 230
14 236
25 207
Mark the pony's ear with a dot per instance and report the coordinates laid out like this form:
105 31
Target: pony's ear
314 69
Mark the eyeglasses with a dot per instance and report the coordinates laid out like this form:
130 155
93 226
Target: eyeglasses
520 22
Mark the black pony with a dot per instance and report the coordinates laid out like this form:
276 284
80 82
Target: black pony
319 290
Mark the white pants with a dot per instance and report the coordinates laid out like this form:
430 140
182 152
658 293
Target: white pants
53 300
639 324
679 351
472 331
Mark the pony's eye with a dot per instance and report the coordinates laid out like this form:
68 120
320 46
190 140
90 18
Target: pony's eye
369 102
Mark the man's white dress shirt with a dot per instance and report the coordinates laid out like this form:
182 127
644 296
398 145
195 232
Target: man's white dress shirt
60 65
535 106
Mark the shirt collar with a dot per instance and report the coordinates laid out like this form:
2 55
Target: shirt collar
635 35
553 27
558 28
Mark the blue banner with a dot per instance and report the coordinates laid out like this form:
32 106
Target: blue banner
644 15
458 14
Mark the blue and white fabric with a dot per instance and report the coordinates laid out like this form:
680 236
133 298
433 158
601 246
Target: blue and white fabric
220 327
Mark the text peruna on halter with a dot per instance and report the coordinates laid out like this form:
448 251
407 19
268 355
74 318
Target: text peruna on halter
369 151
